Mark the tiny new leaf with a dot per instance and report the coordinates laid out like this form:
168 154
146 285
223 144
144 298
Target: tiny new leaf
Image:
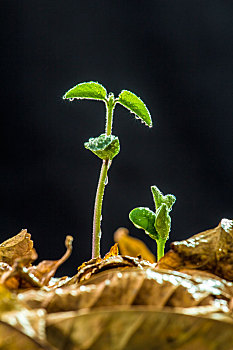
163 222
169 200
90 90
105 147
135 105
144 218
159 198
157 195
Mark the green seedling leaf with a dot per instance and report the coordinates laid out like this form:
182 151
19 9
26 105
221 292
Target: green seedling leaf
135 105
105 147
163 222
144 218
169 200
157 195
159 198
90 90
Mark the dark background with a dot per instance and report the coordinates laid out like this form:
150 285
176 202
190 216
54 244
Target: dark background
176 55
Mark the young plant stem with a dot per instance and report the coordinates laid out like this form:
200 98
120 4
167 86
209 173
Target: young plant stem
160 248
98 210
96 235
110 104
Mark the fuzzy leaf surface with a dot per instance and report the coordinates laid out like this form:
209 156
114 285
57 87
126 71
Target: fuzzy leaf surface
90 90
144 218
135 105
163 222
103 146
159 198
157 195
169 200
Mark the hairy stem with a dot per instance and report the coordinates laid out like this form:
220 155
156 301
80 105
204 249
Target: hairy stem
98 210
160 248
110 104
96 235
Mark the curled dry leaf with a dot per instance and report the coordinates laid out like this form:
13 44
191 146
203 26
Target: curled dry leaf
113 252
94 266
16 247
137 328
211 251
17 276
20 276
91 263
132 246
46 269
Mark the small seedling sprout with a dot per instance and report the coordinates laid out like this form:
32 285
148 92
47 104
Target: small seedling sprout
157 225
106 146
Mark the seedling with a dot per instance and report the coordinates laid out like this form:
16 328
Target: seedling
106 146
157 225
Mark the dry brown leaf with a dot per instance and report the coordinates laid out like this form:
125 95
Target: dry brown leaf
20 323
94 266
134 286
89 263
211 251
17 276
132 246
188 308
38 276
231 305
4 267
46 269
131 304
113 252
9 301
16 247
30 322
13 339
138 328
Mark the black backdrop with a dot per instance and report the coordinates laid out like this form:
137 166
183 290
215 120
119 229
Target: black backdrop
176 55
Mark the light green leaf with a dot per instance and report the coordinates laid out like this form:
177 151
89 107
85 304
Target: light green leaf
159 198
90 90
157 195
135 105
105 147
169 200
144 218
163 222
